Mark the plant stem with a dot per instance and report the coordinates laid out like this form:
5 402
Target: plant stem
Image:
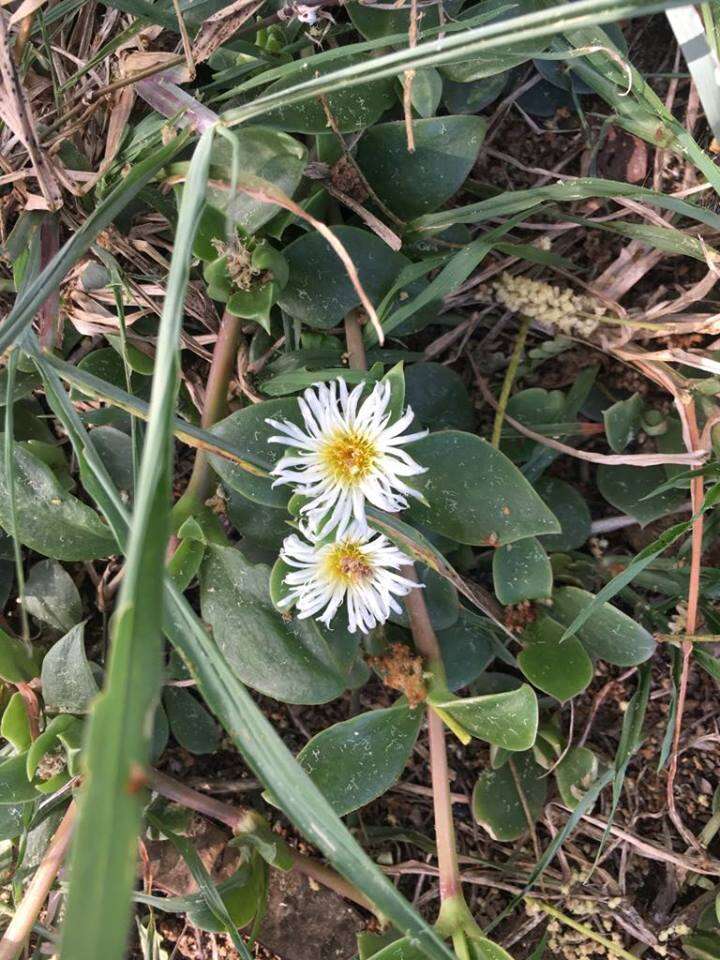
428 647
215 406
510 373
234 817
357 359
39 887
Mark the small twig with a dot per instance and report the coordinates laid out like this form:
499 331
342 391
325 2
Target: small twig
186 42
510 374
611 524
529 819
332 123
633 460
696 494
408 78
38 889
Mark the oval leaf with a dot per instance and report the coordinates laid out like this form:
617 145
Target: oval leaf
474 494
52 597
559 667
249 430
50 520
608 633
508 720
497 804
522 571
355 761
412 184
319 291
68 682
295 661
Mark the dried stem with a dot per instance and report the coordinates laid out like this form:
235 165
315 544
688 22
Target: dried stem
696 495
38 889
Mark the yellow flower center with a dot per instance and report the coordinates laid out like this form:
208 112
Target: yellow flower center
347 563
348 457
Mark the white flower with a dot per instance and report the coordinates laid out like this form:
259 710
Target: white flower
347 454
360 568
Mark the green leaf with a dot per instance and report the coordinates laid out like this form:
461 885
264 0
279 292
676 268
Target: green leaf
411 184
15 787
319 292
622 421
497 804
248 428
559 667
262 152
15 726
190 723
50 520
607 633
574 775
475 495
438 397
351 110
356 761
571 510
68 682
522 571
115 449
426 91
507 720
103 865
483 949
702 946
296 661
52 597
630 490
16 664
467 648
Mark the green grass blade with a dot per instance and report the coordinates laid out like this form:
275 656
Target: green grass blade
194 436
574 188
34 295
455 48
104 851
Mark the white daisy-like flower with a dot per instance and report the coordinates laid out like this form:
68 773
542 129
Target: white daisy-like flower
360 568
348 453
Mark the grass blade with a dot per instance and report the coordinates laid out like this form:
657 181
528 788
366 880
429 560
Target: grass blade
104 852
454 48
193 436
